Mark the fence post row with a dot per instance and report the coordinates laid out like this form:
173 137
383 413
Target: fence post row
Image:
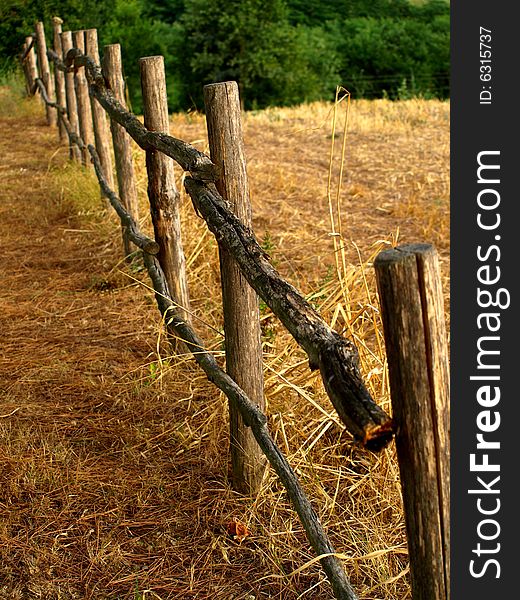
255 418
408 283
70 93
113 73
240 302
59 76
99 117
43 61
82 98
412 308
162 192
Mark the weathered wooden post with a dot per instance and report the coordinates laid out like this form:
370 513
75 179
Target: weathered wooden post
59 76
43 61
113 72
70 93
29 64
412 308
82 97
101 133
162 191
241 313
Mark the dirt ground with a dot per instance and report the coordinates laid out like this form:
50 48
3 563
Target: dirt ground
114 476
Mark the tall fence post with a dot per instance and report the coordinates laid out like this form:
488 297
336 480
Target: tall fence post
412 308
43 61
59 76
99 117
113 72
240 302
162 192
29 64
70 93
82 97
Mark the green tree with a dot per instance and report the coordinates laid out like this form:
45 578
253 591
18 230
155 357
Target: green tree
139 36
167 11
250 41
394 57
17 19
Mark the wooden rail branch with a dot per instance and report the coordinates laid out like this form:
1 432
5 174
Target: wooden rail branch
58 62
335 356
139 239
40 86
256 419
74 138
189 158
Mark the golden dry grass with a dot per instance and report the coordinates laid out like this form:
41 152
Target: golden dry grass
113 459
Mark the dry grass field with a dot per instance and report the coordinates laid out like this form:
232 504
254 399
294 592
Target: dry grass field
114 476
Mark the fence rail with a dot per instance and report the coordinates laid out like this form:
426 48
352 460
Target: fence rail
335 356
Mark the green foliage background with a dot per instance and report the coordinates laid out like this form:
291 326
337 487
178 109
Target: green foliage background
281 52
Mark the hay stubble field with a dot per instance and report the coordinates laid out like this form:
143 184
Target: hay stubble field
114 479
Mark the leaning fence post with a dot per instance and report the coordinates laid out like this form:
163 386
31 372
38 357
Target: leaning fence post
52 117
412 308
101 134
240 302
162 192
59 76
113 72
83 100
70 93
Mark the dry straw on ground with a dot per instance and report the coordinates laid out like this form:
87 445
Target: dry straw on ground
113 456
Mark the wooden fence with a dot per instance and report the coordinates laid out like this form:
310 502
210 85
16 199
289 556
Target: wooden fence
77 97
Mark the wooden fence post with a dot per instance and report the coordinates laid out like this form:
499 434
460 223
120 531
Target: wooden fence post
101 134
241 313
162 192
113 72
412 308
83 100
43 61
70 93
59 76
29 65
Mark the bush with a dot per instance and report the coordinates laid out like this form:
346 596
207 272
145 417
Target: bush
280 52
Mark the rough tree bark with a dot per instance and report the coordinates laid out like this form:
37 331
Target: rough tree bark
82 97
101 129
162 191
45 72
113 71
415 336
59 76
240 302
70 93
